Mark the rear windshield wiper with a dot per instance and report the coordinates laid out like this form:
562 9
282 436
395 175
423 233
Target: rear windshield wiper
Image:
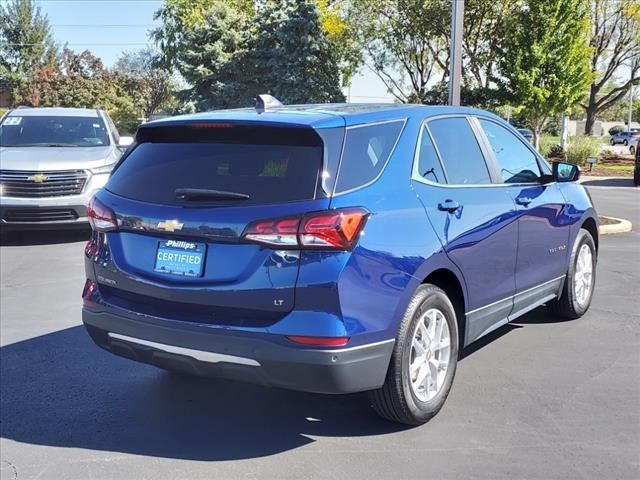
202 194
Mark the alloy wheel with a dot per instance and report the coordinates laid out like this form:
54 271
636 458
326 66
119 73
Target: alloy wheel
583 276
430 354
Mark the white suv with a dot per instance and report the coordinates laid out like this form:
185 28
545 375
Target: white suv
52 160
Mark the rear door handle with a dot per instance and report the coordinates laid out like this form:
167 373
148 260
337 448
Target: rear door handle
525 201
449 206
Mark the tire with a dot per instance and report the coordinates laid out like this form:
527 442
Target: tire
612 141
397 400
625 143
632 150
569 305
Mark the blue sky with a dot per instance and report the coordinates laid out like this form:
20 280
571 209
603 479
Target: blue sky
110 27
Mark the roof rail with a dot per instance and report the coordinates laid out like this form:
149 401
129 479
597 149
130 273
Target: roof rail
265 103
20 107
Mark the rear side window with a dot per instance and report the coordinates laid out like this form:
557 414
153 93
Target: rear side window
460 152
267 173
517 163
429 166
366 151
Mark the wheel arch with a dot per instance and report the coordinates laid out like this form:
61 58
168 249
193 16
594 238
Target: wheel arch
453 286
591 226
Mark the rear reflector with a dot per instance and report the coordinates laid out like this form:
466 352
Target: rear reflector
87 292
101 217
320 341
328 230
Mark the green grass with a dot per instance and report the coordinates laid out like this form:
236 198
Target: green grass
616 168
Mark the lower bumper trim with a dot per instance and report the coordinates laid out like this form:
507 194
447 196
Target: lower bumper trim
209 357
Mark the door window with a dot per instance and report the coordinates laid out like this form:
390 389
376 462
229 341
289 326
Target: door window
459 150
516 162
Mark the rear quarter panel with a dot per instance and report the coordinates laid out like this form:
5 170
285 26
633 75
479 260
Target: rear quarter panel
396 251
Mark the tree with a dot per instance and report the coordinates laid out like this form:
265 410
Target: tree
404 43
342 35
213 59
407 45
231 56
293 58
545 58
615 46
179 17
139 74
485 22
26 43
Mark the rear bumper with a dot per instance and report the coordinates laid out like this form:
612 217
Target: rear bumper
242 357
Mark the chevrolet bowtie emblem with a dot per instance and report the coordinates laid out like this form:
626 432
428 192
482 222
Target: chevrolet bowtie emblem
38 178
170 225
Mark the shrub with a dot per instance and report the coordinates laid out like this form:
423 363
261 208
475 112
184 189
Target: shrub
582 147
3 111
547 143
556 151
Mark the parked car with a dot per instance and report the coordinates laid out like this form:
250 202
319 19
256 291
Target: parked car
52 160
633 144
624 137
332 248
527 134
636 168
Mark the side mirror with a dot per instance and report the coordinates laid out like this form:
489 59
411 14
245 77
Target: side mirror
565 172
124 143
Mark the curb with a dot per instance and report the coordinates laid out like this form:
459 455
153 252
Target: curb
623 226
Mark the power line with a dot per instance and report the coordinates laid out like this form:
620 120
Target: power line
91 25
82 44
95 1
88 25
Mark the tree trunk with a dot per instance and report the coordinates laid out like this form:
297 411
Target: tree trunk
537 125
591 113
536 139
590 122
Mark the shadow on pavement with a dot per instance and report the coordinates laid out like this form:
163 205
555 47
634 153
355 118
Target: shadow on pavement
540 315
60 389
13 238
609 182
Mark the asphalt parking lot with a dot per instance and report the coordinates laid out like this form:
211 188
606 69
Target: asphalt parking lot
537 399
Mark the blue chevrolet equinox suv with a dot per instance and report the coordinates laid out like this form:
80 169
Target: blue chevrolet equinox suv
332 248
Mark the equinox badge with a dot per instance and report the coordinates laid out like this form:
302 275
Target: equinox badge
170 225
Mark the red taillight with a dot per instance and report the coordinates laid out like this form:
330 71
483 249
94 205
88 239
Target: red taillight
320 341
332 229
279 232
101 217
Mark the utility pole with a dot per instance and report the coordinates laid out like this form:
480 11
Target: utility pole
455 57
564 131
630 108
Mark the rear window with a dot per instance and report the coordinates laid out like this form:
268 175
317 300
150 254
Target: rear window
53 131
366 151
266 173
